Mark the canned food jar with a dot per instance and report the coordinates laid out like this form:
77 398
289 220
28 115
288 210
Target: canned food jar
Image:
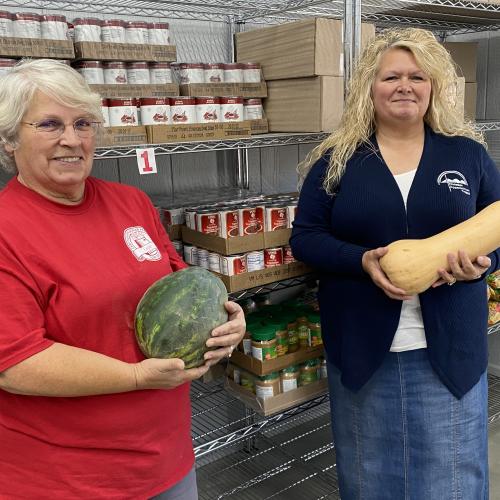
293 337
158 34
115 72
303 331
186 73
27 25
6 65
160 73
183 110
207 221
229 222
113 31
92 71
54 27
267 386
155 111
281 338
214 72
207 109
174 215
273 257
251 219
189 251
87 29
203 258
214 262
264 343
105 112
232 265
255 260
231 109
123 112
288 257
276 217
289 378
309 372
136 32
315 330
138 73
253 109
6 23
251 72
233 73
179 247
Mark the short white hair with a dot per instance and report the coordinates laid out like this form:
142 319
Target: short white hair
53 78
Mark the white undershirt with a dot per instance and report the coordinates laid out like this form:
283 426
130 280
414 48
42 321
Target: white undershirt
410 333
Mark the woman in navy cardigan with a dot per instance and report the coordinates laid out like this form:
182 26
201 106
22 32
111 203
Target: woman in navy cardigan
407 374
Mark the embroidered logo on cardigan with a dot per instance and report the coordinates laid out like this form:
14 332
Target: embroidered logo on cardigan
454 180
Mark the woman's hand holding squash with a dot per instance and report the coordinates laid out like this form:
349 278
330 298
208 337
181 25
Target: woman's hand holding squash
462 268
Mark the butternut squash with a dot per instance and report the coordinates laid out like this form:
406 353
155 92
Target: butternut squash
412 264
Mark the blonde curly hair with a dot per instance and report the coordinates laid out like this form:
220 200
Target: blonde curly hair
358 118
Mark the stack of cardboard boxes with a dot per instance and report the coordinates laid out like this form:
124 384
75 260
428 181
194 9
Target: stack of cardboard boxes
302 63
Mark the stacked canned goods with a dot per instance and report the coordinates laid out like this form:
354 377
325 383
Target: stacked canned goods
200 72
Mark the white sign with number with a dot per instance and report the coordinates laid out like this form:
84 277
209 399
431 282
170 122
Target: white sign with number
146 161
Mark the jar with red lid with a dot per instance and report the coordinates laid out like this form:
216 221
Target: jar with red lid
233 73
87 29
251 72
113 31
6 65
253 109
186 73
92 71
138 73
136 32
207 109
158 34
155 111
231 109
27 25
214 72
115 72
6 23
160 73
54 27
123 112
183 110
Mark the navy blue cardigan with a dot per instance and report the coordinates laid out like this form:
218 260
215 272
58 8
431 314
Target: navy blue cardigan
455 179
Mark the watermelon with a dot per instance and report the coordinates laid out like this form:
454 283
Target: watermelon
175 316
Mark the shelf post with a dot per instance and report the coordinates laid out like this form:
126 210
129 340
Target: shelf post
352 37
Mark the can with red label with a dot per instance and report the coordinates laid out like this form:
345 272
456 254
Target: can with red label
233 73
207 109
251 72
27 25
160 73
231 109
155 111
87 29
136 32
113 31
6 23
189 72
273 257
92 71
190 216
54 27
214 262
233 264
207 221
229 222
138 73
288 257
123 112
276 217
173 216
251 219
158 34
115 72
253 109
183 110
105 112
291 213
255 260
214 73
6 65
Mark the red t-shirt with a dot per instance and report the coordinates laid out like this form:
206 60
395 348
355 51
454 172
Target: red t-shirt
74 275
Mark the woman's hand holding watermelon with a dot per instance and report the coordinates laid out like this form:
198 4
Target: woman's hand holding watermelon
226 337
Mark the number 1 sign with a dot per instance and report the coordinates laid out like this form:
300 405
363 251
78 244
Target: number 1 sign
146 161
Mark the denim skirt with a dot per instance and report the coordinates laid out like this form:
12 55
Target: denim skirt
404 436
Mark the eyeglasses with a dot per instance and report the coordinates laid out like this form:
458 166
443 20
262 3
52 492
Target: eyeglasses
53 128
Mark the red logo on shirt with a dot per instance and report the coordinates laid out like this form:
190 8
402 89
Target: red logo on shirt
140 244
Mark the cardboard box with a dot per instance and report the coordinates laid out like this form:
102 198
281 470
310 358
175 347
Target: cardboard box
238 244
268 275
465 56
174 231
167 90
466 98
197 132
305 104
259 126
257 367
122 136
225 89
36 47
310 47
105 51
282 401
